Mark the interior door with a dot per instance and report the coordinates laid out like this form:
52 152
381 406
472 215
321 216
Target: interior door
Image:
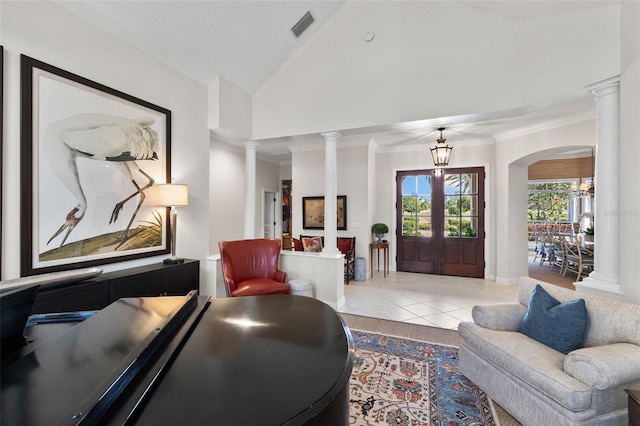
269 214
441 221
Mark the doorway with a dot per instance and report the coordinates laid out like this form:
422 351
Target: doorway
440 221
269 213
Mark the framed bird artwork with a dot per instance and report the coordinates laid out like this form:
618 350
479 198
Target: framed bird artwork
90 158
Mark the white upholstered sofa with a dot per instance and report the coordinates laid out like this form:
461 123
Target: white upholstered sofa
539 385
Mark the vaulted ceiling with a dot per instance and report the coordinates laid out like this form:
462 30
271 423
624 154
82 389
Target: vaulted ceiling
246 42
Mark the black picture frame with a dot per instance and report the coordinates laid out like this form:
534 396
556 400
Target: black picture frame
313 212
67 123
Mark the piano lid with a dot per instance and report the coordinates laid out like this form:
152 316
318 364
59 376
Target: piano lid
76 377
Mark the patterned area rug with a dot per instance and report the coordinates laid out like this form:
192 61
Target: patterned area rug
397 381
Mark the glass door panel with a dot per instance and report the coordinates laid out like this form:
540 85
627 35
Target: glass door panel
416 205
461 205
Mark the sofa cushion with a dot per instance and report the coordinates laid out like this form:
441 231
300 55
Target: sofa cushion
344 245
297 244
535 364
562 326
312 244
610 321
261 287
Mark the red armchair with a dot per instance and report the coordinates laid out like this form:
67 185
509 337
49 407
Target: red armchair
250 267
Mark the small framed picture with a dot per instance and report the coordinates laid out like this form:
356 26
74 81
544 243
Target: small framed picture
313 212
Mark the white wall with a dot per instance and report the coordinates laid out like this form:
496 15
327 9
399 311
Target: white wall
352 176
630 152
285 172
429 60
372 183
441 59
307 175
353 182
229 109
513 155
226 193
565 52
49 33
371 187
226 196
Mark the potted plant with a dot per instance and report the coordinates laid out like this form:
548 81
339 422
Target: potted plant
589 233
379 229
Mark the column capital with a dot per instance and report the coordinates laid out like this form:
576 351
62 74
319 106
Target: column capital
250 144
605 86
330 135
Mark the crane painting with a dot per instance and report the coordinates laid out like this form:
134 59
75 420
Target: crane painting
105 138
90 155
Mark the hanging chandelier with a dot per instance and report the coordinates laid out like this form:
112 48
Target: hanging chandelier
441 152
587 188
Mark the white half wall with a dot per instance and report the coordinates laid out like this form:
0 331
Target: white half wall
326 274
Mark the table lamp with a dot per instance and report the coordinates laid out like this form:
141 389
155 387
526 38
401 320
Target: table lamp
173 195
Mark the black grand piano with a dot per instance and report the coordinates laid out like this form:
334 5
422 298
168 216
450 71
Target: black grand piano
192 360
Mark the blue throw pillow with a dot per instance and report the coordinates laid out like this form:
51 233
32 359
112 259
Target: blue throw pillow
562 326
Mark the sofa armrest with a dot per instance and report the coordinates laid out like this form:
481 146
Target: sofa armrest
280 276
499 316
604 367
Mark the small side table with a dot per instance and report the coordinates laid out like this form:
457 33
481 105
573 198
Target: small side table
377 247
634 407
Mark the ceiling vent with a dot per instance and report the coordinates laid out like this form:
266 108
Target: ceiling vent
302 25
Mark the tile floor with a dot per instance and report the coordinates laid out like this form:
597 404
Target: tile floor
434 300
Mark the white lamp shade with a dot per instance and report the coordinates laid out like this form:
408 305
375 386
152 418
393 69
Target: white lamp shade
170 195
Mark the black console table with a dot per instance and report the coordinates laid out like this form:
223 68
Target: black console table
156 279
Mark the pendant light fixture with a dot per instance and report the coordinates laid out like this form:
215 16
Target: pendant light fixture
587 187
441 152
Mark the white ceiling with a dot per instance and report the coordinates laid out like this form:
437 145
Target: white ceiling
243 41
247 41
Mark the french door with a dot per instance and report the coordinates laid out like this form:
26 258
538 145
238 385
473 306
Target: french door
440 228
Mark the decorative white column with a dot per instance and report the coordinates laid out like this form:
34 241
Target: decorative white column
330 193
250 189
605 278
